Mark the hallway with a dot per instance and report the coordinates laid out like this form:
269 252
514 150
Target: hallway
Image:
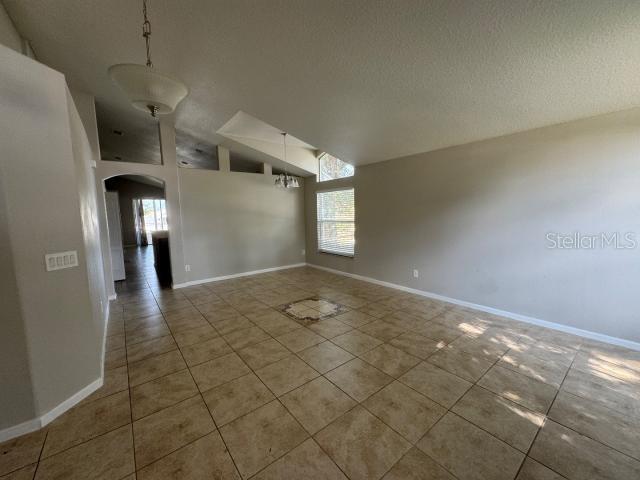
139 270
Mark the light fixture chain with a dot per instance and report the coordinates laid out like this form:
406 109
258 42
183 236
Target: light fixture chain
146 32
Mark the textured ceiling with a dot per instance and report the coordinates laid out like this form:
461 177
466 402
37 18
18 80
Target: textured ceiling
366 80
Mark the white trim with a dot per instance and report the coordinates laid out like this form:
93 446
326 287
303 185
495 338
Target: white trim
43 420
515 316
236 275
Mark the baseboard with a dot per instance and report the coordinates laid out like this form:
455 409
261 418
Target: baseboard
503 313
236 275
43 420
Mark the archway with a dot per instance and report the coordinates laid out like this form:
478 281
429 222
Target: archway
138 226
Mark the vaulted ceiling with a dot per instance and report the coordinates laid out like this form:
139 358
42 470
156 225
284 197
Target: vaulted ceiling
366 80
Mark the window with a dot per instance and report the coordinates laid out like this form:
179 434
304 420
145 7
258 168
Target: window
155 214
330 168
336 222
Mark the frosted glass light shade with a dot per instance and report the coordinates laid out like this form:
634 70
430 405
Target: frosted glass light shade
147 88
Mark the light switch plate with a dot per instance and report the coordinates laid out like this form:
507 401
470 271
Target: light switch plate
60 260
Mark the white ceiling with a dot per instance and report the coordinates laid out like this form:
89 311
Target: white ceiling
366 80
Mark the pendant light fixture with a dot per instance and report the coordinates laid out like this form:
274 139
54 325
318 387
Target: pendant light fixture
147 89
284 180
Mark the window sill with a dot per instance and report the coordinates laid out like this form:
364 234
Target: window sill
345 255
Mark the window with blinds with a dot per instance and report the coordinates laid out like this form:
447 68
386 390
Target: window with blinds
336 222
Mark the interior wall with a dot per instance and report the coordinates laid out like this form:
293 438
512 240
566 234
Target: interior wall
127 191
40 183
9 36
238 222
85 104
474 221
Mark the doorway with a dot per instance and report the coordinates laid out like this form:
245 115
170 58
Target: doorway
138 232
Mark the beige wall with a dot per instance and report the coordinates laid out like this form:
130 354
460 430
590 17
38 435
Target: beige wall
9 36
47 208
473 220
238 222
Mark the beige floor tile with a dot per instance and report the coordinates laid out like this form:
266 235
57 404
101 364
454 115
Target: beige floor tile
286 374
404 410
415 465
186 338
25 473
116 380
376 310
469 452
133 325
506 420
390 360
106 457
276 324
236 398
362 446
382 330
169 429
614 429
609 391
317 403
261 437
87 421
243 338
147 333
325 356
204 459
612 354
416 345
186 322
231 324
263 353
547 351
356 342
489 348
435 383
330 327
358 379
465 365
218 371
150 348
300 339
21 451
355 318
437 332
518 388
578 457
307 461
114 342
546 371
585 362
115 358
155 367
207 350
163 392
532 470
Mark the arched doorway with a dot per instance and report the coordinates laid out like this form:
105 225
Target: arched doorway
138 228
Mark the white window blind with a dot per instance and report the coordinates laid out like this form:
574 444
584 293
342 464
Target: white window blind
336 222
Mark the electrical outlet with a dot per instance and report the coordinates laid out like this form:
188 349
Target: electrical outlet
304 251
416 273
187 268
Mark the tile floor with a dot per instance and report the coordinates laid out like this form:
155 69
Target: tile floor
238 379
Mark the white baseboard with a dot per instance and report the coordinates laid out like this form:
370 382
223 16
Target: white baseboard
236 275
503 313
43 420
